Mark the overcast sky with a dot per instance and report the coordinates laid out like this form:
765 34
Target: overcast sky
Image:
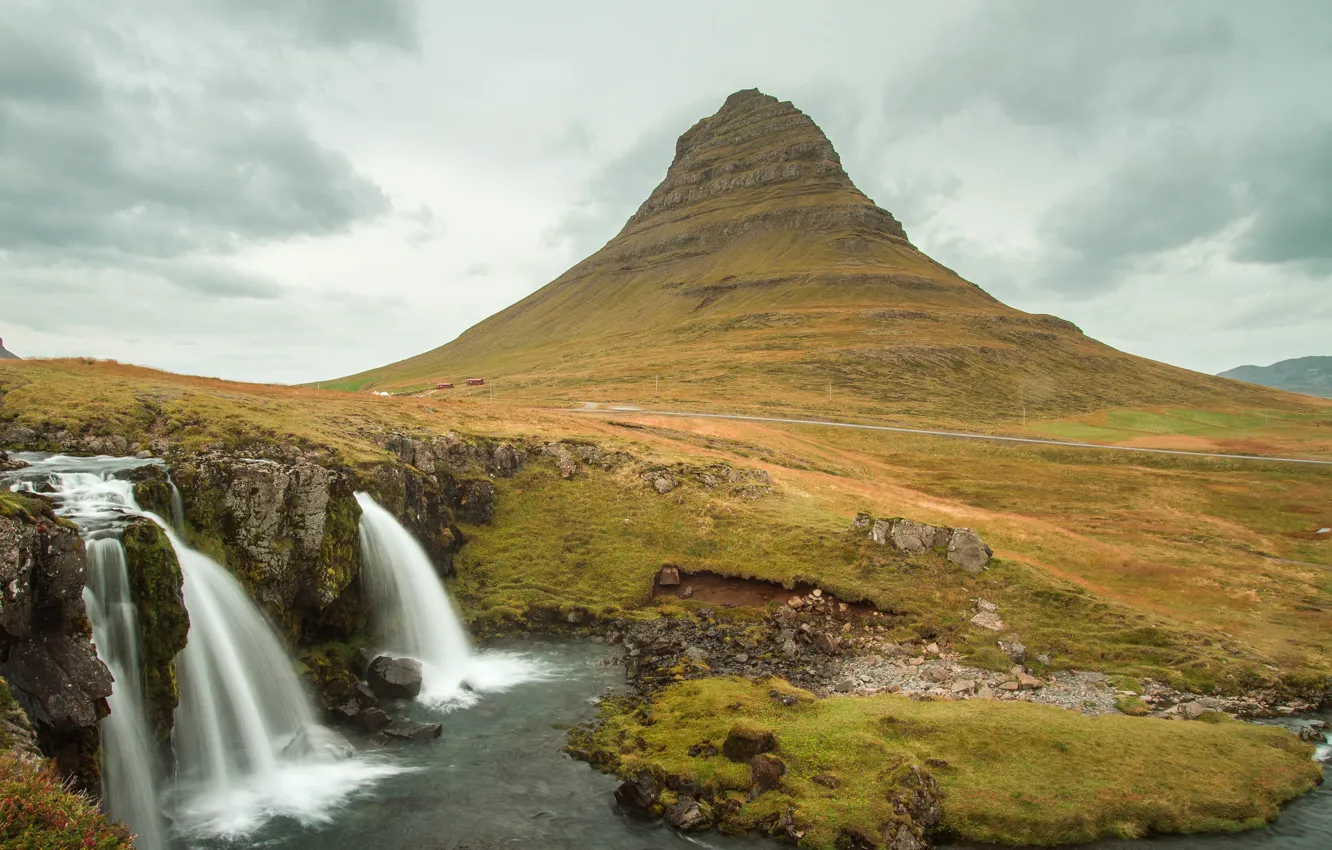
220 188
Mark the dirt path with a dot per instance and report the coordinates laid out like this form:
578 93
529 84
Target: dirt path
591 407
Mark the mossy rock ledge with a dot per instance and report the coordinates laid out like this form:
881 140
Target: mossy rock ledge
156 586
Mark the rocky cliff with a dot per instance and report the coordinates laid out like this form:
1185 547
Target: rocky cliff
46 650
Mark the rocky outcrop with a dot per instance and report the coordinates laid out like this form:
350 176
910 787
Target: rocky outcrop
46 650
287 529
441 481
961 546
164 624
8 464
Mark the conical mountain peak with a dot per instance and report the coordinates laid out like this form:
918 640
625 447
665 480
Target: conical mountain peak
757 276
753 151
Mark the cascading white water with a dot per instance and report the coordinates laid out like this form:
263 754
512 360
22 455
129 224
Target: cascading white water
241 701
130 774
413 615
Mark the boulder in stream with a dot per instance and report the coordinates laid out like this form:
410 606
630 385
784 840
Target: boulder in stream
411 730
395 678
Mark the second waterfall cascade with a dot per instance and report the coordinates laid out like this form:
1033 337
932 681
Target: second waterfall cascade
413 616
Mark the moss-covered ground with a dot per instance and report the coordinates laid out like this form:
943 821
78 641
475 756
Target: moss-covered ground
1015 773
155 583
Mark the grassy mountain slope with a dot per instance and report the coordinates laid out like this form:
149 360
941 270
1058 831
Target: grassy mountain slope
757 276
1309 375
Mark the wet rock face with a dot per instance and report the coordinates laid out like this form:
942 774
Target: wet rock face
8 465
164 624
288 530
46 650
395 678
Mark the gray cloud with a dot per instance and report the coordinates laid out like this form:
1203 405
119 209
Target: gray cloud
1291 197
1069 65
337 23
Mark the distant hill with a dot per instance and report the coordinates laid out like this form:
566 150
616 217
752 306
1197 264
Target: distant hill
757 277
6 354
1309 375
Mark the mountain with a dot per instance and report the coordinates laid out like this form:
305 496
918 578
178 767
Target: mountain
6 354
1308 375
756 276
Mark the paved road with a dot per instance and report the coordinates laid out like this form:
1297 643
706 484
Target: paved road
960 435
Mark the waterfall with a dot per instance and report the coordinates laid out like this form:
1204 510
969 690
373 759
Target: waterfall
241 702
130 775
177 508
413 614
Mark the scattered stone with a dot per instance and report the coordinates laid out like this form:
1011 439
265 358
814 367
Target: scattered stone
862 521
988 620
1192 710
986 692
845 686
688 592
1010 686
827 780
411 730
914 538
373 719
817 593
639 794
668 575
1044 658
395 678
963 686
685 815
985 605
784 699
765 773
1014 649
744 742
796 602
1029 683
966 549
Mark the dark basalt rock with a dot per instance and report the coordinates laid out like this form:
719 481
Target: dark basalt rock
395 678
411 730
640 793
373 719
46 650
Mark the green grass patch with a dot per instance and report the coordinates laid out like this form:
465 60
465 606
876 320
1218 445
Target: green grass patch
1017 773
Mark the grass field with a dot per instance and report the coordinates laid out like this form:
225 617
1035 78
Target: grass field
1199 570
